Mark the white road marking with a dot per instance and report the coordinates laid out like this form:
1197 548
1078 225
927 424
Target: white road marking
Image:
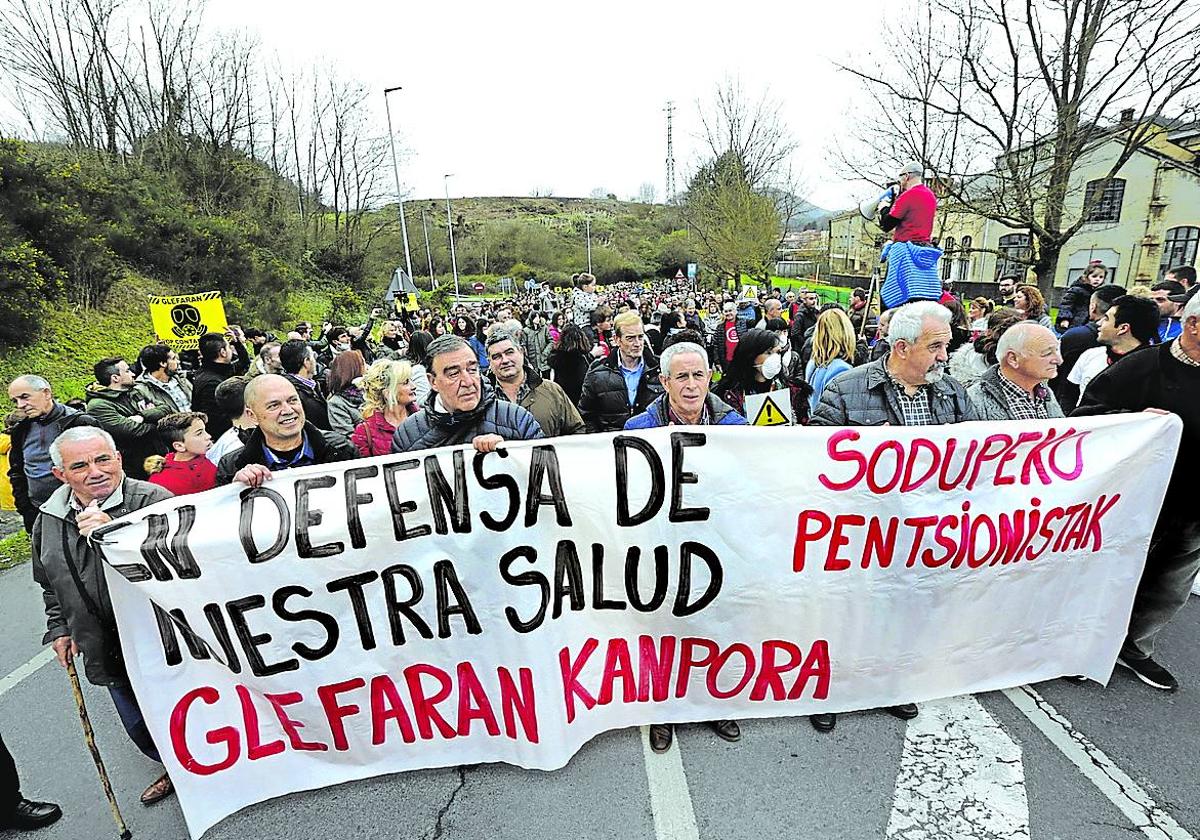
11 681
960 775
670 799
1099 769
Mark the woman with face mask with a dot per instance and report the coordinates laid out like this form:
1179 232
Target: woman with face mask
834 344
757 368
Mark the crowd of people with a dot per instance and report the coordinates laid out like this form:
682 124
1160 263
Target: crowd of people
543 363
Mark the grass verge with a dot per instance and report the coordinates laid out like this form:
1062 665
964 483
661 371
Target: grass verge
15 549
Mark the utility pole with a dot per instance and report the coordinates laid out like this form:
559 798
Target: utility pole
396 174
587 221
428 253
450 228
670 110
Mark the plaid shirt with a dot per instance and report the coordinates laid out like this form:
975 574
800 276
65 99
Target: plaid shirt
1021 404
1178 353
915 408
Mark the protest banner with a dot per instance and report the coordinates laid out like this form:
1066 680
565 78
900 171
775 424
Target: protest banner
180 320
450 607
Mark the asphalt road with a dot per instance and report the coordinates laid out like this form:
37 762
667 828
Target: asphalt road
961 770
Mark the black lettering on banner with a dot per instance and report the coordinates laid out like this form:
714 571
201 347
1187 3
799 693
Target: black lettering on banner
354 500
568 578
246 524
621 445
306 518
599 602
501 481
158 554
399 506
353 586
445 581
543 465
678 513
456 504
530 578
251 641
633 559
715 576
397 607
167 622
329 623
216 620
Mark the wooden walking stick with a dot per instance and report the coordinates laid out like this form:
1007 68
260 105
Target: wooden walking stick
90 738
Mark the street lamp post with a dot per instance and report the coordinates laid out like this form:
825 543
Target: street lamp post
428 253
587 221
450 227
396 174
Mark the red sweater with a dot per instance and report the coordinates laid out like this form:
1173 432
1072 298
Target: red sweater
914 208
184 477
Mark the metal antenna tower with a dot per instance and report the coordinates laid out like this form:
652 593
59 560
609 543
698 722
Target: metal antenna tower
670 109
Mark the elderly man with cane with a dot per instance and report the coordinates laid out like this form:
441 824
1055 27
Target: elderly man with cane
69 568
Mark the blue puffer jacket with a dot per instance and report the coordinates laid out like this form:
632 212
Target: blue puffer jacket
429 428
656 415
912 274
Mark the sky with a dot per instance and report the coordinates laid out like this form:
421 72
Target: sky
564 98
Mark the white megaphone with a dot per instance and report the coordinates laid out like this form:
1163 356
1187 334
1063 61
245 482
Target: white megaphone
870 207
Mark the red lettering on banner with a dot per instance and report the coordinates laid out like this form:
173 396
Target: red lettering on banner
687 662
714 673
473 703
838 540
386 706
617 666
518 704
425 707
572 688
815 667
654 667
836 454
292 728
804 535
255 749
770 675
335 712
1093 527
226 735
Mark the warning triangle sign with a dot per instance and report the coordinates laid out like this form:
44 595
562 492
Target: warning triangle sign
770 415
679 274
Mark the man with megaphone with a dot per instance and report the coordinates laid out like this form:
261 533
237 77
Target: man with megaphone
909 216
912 272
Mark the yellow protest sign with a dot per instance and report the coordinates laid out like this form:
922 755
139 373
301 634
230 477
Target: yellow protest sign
180 320
771 409
408 303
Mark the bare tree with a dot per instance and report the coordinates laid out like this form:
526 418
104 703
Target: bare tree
1013 97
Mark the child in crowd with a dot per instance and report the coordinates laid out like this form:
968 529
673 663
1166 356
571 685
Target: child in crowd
185 469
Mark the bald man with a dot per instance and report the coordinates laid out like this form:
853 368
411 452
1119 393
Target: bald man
283 439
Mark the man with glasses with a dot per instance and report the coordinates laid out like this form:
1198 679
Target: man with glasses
623 383
461 408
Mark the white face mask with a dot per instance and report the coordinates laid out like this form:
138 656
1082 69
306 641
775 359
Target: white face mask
772 366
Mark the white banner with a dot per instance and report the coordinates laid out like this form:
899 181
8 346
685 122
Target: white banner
445 607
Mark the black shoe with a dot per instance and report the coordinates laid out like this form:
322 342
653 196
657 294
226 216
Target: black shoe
661 735
1075 678
28 815
727 729
1150 672
823 722
905 711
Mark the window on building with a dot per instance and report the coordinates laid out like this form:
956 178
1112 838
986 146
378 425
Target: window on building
964 260
1102 199
1014 256
947 257
1179 248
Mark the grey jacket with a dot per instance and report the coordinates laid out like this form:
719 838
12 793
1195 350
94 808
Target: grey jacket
987 395
345 412
70 571
866 396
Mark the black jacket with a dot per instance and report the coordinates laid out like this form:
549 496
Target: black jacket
1153 378
604 402
27 507
315 409
204 395
1074 305
429 428
328 448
